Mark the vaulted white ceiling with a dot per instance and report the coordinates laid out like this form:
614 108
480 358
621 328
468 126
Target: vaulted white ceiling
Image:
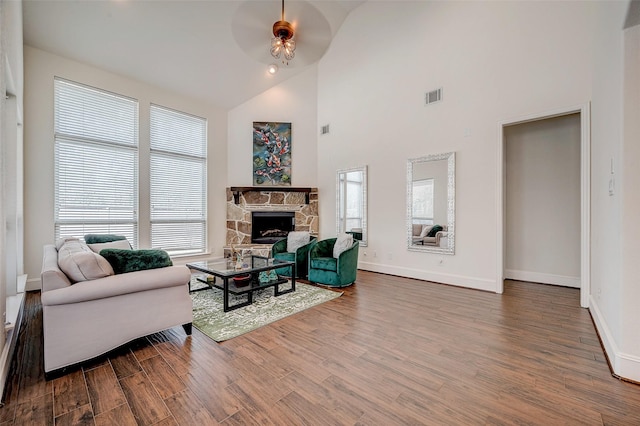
216 51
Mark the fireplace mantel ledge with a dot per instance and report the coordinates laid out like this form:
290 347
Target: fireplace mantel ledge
274 207
237 190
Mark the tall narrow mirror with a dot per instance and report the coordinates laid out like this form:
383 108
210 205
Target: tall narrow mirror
351 203
431 203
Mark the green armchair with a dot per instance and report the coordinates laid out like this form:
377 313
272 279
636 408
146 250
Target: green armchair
326 269
300 256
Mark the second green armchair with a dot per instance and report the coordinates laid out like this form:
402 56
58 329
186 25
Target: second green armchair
325 269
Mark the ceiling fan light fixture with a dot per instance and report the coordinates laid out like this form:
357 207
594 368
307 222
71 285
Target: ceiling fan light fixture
282 41
283 30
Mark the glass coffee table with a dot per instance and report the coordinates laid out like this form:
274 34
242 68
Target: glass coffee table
245 280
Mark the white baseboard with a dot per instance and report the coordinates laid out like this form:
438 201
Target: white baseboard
538 277
457 280
33 284
624 365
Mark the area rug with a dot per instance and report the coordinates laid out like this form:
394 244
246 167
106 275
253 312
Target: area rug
209 318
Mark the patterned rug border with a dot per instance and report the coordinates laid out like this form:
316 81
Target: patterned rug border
209 318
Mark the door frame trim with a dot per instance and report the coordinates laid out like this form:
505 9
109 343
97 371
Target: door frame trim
585 196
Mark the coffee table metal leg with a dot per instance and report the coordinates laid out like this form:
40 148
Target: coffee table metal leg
293 277
225 295
276 288
227 306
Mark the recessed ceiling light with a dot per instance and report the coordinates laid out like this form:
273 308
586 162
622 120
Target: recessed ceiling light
273 68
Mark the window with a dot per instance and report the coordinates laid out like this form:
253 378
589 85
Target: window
422 208
178 181
96 162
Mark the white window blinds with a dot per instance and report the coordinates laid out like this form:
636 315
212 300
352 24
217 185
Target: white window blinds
96 162
178 181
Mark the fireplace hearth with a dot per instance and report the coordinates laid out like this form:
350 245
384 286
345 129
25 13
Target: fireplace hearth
269 227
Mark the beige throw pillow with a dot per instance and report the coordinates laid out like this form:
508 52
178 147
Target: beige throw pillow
79 263
60 242
425 230
297 239
343 242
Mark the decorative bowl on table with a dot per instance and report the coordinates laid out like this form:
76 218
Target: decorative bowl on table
242 280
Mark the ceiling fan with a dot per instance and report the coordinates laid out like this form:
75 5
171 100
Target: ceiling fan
282 41
305 35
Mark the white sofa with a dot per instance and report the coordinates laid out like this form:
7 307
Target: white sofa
419 235
89 318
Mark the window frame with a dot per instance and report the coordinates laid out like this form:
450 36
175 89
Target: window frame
72 127
186 157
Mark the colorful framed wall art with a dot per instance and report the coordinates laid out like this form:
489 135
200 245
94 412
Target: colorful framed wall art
271 154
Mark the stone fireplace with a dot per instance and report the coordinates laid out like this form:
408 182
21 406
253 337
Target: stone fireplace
296 207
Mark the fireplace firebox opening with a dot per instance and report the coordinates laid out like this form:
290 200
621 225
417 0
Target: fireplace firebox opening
269 227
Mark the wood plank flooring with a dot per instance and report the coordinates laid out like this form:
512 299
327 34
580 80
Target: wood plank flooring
390 351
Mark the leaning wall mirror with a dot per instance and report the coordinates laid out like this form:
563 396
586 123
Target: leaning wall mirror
351 203
431 203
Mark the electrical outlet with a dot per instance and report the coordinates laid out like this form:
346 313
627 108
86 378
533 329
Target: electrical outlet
375 253
364 253
441 261
389 256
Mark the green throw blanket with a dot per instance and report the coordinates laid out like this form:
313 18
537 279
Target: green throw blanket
123 261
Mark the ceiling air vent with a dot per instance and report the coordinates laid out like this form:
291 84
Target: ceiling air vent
433 96
324 129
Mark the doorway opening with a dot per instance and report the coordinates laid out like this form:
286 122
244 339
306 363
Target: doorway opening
566 259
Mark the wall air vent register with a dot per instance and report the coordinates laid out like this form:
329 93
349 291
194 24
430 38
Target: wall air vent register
433 96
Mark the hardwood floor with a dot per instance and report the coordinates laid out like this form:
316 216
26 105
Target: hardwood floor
390 351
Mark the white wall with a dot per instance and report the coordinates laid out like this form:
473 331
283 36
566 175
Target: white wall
293 101
3 149
630 338
607 293
11 177
40 69
494 61
12 130
542 241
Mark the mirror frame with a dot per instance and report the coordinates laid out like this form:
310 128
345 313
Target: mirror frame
365 232
451 208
